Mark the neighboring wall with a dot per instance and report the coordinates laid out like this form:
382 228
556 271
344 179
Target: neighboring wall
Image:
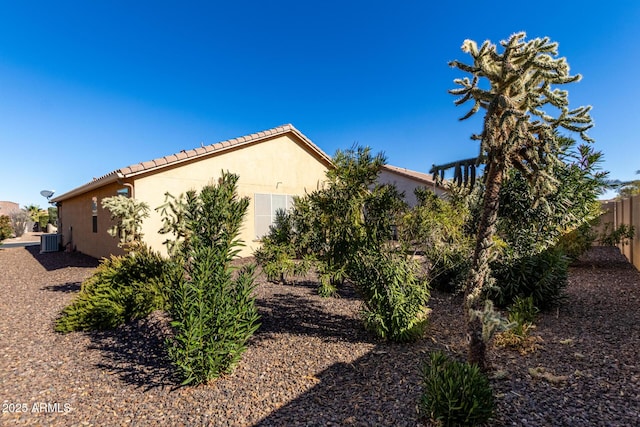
624 211
406 184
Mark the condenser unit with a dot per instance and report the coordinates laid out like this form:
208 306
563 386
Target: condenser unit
49 243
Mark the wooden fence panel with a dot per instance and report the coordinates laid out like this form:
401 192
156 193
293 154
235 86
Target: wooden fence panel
624 211
635 221
627 249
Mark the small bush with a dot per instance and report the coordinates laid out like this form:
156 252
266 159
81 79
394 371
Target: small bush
19 221
612 236
436 229
455 393
578 241
523 311
6 231
542 276
277 255
123 288
276 261
522 315
452 272
394 299
331 277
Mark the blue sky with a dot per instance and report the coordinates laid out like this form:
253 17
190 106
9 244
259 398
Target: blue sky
89 87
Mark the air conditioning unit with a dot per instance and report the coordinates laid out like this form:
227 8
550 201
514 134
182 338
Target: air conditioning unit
50 243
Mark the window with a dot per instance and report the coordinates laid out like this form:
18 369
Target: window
265 208
94 213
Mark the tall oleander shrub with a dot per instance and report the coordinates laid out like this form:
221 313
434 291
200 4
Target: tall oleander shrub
213 309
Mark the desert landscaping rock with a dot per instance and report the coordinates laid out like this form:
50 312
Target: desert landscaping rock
310 363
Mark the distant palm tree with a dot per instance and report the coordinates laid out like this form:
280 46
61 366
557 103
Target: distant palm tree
33 211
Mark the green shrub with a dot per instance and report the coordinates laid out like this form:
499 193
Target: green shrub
212 309
523 311
213 316
394 299
277 255
351 211
522 315
452 270
19 221
6 231
277 261
543 276
612 236
122 288
578 241
455 393
330 276
436 229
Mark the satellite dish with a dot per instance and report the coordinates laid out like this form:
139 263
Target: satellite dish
47 193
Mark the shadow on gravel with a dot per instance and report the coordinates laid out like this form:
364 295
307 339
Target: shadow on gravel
300 315
65 287
380 388
603 258
346 292
57 260
137 353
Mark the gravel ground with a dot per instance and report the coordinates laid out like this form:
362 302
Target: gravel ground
310 362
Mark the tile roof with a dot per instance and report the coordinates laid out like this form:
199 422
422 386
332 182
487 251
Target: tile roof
6 207
190 155
218 147
420 176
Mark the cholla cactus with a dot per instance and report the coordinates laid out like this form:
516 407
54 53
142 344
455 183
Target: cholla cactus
128 215
492 321
514 87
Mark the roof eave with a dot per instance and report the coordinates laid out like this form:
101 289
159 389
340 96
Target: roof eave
96 183
161 163
199 153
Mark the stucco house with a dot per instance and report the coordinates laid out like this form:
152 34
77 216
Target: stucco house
406 180
273 166
7 208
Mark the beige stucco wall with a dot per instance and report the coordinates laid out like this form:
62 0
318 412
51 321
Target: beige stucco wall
281 165
405 184
75 223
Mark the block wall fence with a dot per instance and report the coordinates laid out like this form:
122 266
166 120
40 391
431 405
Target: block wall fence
624 211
